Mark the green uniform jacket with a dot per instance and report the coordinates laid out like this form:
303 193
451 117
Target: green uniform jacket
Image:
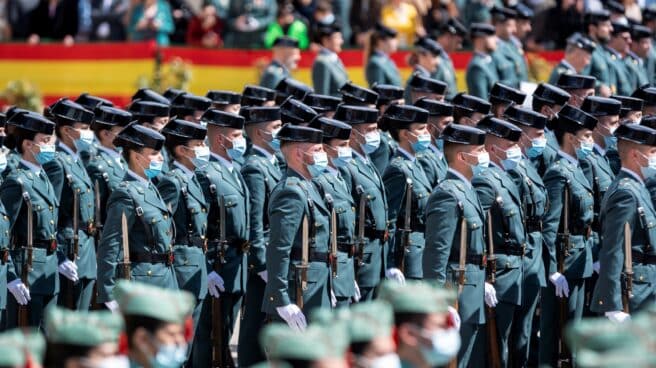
446 73
504 62
292 199
108 170
482 74
650 65
182 193
217 181
384 153
600 69
6 262
434 164
381 69
636 70
150 231
498 193
563 173
361 172
273 74
452 201
400 169
627 201
328 73
563 67
618 69
546 159
519 57
334 185
614 160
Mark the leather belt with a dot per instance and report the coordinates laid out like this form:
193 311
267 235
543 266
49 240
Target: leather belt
166 258
585 231
373 234
196 241
240 244
49 245
4 255
314 256
642 258
510 250
348 248
533 225
475 259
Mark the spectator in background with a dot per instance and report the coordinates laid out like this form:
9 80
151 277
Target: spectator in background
404 18
323 13
183 11
364 15
205 29
247 22
107 20
12 20
559 23
439 13
287 25
151 20
380 68
54 20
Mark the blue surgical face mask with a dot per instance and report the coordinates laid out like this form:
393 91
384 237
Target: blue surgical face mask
85 141
320 164
344 156
482 165
274 143
537 147
169 356
238 148
445 346
649 170
610 142
201 156
439 143
584 149
371 142
422 143
46 153
154 169
513 157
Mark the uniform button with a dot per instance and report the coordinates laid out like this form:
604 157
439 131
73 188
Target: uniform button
166 217
601 302
507 264
149 273
352 208
6 217
202 210
271 298
642 278
52 222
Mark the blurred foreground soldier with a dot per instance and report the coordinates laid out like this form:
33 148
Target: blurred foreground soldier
578 54
425 61
227 101
156 323
450 36
440 114
569 259
7 265
136 207
482 71
616 49
35 282
228 230
69 178
284 59
193 107
368 191
533 195
598 29
261 174
426 332
297 255
502 96
257 96
328 71
291 87
155 116
380 68
548 100
631 110
370 327
183 195
419 86
352 94
578 86
323 104
78 339
454 211
628 201
21 348
468 109
509 62
648 96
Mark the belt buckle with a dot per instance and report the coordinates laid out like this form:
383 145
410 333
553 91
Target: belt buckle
385 235
245 246
91 229
170 258
53 245
484 260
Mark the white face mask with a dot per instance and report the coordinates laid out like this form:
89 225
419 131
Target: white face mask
445 346
201 156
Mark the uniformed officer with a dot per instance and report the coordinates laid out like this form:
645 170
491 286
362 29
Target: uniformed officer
453 208
183 195
155 320
227 101
6 263
419 86
569 259
616 50
578 86
257 96
450 36
352 94
302 220
27 184
83 339
149 223
323 104
482 71
90 103
508 61
598 29
468 109
578 54
294 112
69 178
153 115
628 201
361 173
424 61
191 107
171 93
380 68
328 71
405 176
631 110
547 100
284 59
642 47
533 195
387 95
291 87
261 173
502 96
648 96
440 114
228 196
147 94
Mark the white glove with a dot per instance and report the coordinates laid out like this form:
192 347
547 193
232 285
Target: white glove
453 313
112 305
20 291
396 275
215 284
293 315
357 295
595 267
490 295
333 299
560 282
264 275
69 270
618 316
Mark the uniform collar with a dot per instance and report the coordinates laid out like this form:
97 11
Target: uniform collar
486 57
66 149
569 158
365 159
279 64
634 175
568 65
272 158
407 154
461 177
228 164
601 151
332 171
436 151
138 178
111 152
184 169
33 168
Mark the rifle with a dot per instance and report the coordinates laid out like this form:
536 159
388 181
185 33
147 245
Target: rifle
564 358
74 251
627 287
407 226
218 352
301 270
23 310
333 234
97 224
361 223
125 265
491 325
462 260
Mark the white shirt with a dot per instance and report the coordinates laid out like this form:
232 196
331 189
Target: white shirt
407 154
140 179
632 173
267 154
573 160
462 177
36 169
184 169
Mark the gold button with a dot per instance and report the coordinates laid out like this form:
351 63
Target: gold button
6 217
271 298
165 217
202 210
52 222
149 273
642 278
601 302
352 208
88 190
508 264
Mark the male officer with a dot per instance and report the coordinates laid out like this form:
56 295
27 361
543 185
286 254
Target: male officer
328 71
533 196
482 71
468 109
616 50
578 86
228 196
227 101
440 114
427 57
323 104
148 219
502 96
27 184
361 173
628 202
69 178
569 259
261 174
509 63
598 28
631 110
450 36
419 86
257 96
302 220
648 96
284 59
287 87
182 193
294 112
387 95
352 94
642 46
578 54
331 185
380 68
153 115
193 106
453 209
